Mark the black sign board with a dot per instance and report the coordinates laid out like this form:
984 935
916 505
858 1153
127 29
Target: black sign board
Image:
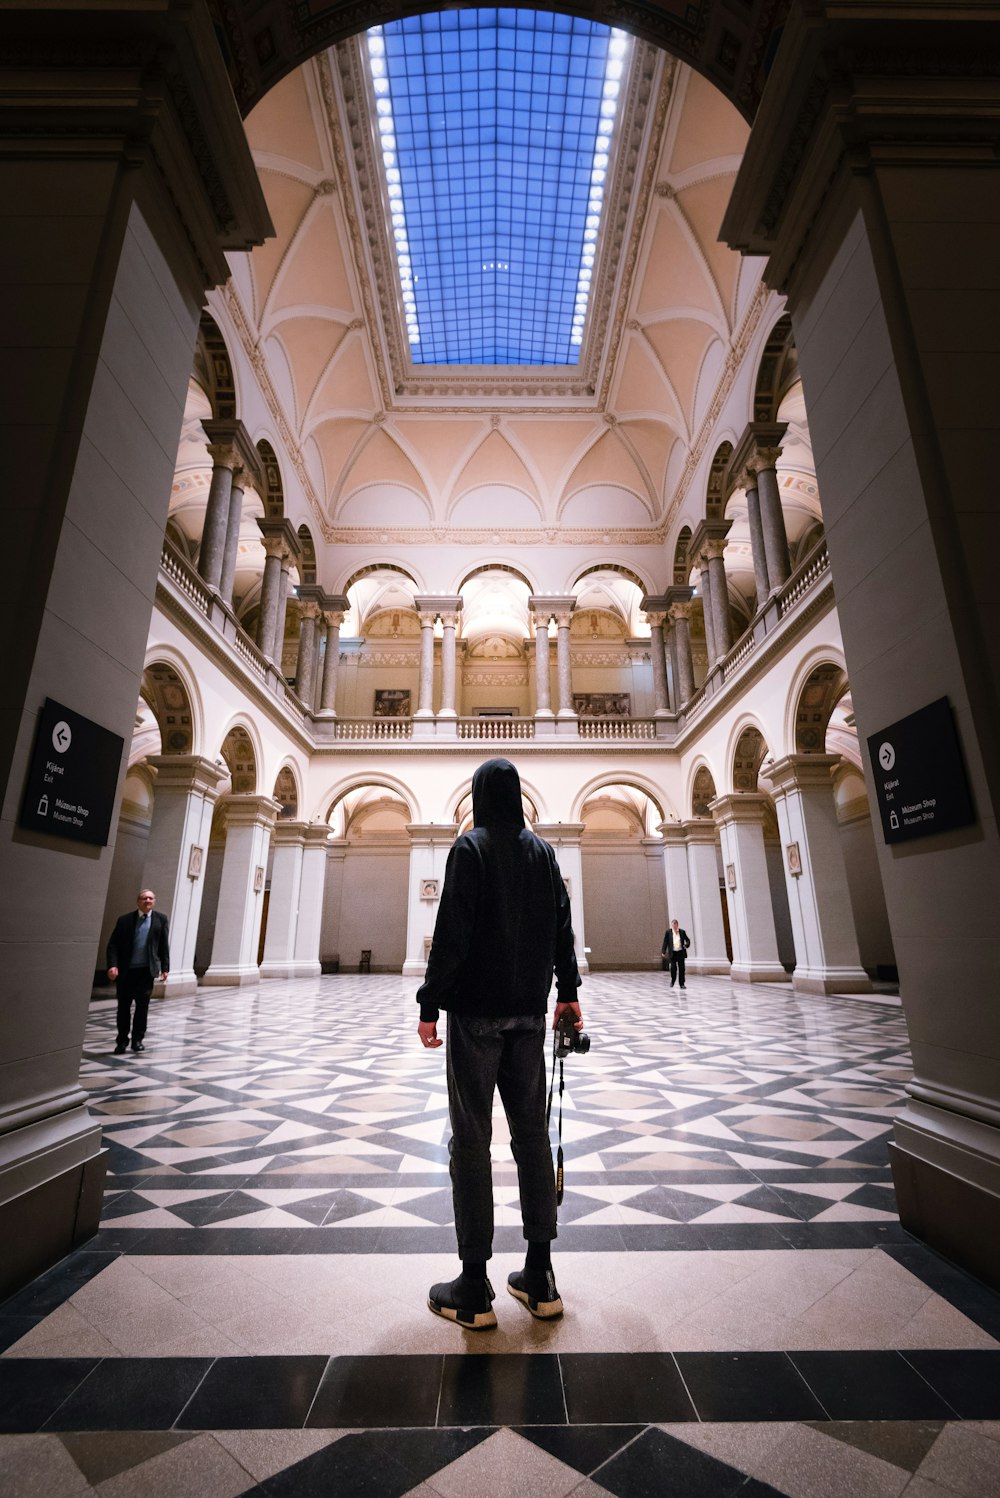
72 777
920 779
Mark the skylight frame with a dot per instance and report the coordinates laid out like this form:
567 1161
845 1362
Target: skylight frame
593 178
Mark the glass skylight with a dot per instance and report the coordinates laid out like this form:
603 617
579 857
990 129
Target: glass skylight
495 128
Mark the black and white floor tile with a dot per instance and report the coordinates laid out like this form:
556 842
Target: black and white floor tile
744 1313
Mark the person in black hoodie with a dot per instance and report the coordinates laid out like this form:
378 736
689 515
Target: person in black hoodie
503 927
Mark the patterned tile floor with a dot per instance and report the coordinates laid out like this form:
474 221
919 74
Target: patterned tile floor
744 1312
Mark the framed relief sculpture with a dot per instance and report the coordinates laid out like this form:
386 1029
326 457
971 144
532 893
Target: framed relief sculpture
391 702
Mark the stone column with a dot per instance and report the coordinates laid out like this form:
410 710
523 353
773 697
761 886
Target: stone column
270 591
740 820
675 874
680 613
722 624
430 844
564 664
425 691
449 624
328 697
819 901
319 657
305 668
661 699
707 931
249 823
232 546
779 563
541 614
186 788
287 842
707 608
749 481
312 891
278 648
213 533
565 838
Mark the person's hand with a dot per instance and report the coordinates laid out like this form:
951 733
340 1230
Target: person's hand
574 1008
112 973
428 1032
162 978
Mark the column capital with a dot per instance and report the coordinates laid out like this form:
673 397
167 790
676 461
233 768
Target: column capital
187 772
680 611
655 618
802 772
249 810
334 617
450 620
739 806
274 546
759 447
232 437
700 831
714 549
432 834
308 609
282 531
288 833
438 603
672 832
316 834
705 532
564 618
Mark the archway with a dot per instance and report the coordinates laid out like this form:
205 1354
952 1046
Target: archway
368 864
624 892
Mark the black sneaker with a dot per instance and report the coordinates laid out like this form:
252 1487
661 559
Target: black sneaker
538 1292
120 1049
468 1306
138 1046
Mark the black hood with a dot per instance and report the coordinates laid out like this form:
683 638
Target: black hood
496 795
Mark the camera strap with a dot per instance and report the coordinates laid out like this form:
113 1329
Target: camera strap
548 1116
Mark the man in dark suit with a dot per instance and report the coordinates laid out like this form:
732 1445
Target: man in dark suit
138 954
675 944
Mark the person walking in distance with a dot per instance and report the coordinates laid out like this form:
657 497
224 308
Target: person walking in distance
675 944
138 952
503 927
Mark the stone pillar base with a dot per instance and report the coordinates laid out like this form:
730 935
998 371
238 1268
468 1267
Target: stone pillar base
708 965
423 727
545 725
290 969
831 980
568 726
946 1188
46 1222
231 977
178 985
758 972
414 968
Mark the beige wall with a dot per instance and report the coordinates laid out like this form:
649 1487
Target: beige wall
624 904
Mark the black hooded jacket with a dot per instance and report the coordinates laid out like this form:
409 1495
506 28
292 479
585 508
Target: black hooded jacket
503 925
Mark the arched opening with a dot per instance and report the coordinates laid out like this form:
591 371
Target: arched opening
624 891
367 878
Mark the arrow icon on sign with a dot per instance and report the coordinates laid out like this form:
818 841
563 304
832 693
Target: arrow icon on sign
62 736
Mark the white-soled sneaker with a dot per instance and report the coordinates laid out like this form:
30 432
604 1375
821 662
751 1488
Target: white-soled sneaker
536 1291
469 1308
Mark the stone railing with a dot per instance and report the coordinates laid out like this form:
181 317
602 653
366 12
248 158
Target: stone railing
803 578
180 572
248 651
496 728
377 729
616 728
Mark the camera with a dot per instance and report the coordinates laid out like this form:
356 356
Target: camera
568 1038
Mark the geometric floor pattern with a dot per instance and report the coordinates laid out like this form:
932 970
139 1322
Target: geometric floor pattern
744 1312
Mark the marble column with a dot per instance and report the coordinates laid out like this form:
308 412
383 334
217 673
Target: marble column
566 839
680 613
306 665
779 562
740 820
449 625
819 902
757 547
319 657
543 702
564 665
278 647
722 625
312 892
675 874
287 841
425 690
331 660
707 930
707 609
430 844
185 793
661 698
270 591
213 534
249 823
232 546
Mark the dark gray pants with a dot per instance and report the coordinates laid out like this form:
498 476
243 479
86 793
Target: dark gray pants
134 986
509 1054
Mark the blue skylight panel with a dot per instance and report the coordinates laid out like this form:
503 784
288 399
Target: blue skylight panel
495 128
